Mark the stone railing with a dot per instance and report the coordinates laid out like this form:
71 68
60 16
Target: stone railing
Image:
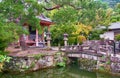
90 47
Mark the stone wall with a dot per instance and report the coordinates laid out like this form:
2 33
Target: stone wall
106 64
87 64
34 62
98 55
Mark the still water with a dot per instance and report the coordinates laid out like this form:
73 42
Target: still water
72 71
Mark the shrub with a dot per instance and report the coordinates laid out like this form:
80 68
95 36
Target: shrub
3 58
71 40
117 37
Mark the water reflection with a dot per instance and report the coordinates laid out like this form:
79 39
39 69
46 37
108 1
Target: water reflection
69 72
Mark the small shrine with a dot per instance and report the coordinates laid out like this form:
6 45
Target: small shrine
34 39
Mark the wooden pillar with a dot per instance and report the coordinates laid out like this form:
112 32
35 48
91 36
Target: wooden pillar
42 33
36 40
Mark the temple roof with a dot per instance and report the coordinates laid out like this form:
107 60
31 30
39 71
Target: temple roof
113 26
44 18
44 21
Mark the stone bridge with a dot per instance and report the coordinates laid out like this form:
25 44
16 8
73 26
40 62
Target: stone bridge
94 48
96 55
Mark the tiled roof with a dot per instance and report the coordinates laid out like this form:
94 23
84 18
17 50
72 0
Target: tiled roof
43 17
115 25
112 26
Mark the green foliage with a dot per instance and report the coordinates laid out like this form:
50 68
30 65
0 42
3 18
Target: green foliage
64 19
61 64
65 15
32 65
9 32
14 13
117 37
88 15
116 15
3 58
88 12
87 64
72 40
92 13
108 62
101 68
58 31
95 34
38 56
58 53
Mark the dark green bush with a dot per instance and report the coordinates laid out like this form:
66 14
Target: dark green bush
117 37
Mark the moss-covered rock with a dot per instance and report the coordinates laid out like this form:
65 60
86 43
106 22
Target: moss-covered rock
87 64
35 62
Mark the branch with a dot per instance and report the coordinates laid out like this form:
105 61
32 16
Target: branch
46 1
55 7
58 6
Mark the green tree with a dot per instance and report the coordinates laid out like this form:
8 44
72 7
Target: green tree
64 13
80 11
9 32
92 9
14 13
24 10
95 34
116 15
117 37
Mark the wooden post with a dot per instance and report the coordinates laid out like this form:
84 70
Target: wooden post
42 34
36 37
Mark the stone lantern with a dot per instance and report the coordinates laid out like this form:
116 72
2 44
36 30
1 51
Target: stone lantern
48 38
65 39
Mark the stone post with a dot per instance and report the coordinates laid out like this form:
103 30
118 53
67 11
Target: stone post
65 39
23 42
48 38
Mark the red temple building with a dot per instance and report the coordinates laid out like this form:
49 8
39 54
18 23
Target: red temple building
34 39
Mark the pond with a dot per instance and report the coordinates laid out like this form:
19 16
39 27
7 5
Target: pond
72 71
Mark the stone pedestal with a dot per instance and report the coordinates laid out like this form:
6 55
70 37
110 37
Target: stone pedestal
48 35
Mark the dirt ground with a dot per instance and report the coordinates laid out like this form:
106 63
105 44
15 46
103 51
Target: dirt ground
30 51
